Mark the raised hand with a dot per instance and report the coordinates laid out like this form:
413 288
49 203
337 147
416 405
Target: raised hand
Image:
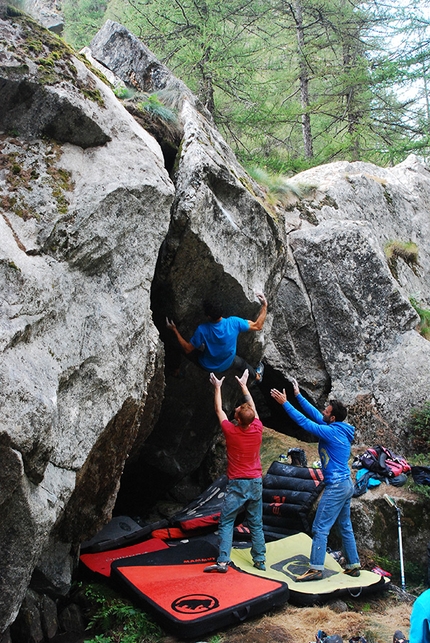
170 323
261 298
281 398
243 379
215 381
295 384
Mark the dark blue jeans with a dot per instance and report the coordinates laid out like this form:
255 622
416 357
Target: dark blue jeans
334 507
242 493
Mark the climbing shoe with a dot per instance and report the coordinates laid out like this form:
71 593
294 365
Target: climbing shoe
352 571
310 574
259 371
221 568
259 564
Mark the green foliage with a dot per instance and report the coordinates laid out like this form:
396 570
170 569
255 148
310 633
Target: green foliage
371 636
421 490
83 18
122 92
156 109
264 70
417 459
424 313
115 620
419 428
15 9
278 187
415 575
406 250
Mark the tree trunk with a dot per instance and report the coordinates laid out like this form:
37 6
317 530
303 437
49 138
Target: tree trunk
206 90
304 80
351 49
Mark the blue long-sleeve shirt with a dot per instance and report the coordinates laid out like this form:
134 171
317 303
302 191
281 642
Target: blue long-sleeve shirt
334 445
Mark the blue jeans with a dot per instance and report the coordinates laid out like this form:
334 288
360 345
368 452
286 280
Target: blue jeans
241 494
239 364
334 507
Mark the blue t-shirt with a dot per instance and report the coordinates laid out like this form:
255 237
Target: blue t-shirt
219 341
335 439
420 619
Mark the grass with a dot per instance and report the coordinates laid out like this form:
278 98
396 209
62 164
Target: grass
156 109
415 575
274 444
424 313
158 118
419 428
277 186
405 250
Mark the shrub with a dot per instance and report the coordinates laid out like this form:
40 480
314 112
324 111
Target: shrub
121 91
116 620
420 428
414 573
424 313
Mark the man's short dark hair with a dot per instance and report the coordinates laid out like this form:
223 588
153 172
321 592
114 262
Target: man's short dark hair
338 410
212 309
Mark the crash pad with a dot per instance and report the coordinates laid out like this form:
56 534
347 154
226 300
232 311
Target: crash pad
184 599
119 532
288 558
100 562
204 511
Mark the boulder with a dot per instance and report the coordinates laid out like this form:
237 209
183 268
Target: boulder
222 242
45 12
86 205
102 238
367 345
393 201
375 525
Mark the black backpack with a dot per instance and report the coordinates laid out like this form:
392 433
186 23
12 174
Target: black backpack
421 475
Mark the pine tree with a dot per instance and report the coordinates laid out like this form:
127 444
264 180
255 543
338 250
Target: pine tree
290 83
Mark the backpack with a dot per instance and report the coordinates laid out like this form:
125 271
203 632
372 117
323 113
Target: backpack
421 475
382 461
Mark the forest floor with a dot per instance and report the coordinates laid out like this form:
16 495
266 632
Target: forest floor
375 617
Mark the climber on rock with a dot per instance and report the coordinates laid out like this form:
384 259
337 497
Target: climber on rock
214 343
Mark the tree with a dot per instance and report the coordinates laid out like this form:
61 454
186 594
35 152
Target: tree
291 83
83 18
209 44
297 12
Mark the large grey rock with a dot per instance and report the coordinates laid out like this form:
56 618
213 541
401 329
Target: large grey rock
99 245
393 201
366 350
365 325
46 12
83 220
123 54
221 242
376 525
53 95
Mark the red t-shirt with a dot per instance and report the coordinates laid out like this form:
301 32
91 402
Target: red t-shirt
243 449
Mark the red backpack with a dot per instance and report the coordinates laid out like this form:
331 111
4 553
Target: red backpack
383 461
